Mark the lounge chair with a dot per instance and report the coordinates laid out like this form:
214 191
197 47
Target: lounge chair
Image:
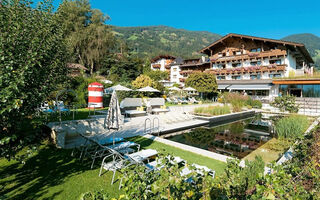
157 105
193 100
130 107
59 106
116 163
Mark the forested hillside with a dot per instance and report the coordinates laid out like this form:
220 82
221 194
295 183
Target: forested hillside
150 41
312 43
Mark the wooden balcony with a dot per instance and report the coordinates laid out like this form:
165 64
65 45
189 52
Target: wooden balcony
167 66
182 79
251 69
249 56
156 66
187 72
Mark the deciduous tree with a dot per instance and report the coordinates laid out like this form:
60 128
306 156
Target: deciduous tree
202 82
32 63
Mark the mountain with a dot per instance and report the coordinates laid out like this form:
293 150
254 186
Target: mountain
150 41
312 42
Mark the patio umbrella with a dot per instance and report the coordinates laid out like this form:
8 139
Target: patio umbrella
113 118
116 88
189 89
148 89
174 89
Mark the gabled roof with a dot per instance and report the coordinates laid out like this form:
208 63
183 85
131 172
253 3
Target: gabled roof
162 56
300 46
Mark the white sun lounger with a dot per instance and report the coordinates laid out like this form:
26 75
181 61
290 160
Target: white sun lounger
142 155
124 145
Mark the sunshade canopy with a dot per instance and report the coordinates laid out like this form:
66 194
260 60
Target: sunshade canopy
189 89
174 89
116 88
148 89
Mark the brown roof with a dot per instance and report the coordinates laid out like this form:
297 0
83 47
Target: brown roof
300 46
76 66
162 56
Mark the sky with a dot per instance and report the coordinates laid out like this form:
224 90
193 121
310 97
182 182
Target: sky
263 18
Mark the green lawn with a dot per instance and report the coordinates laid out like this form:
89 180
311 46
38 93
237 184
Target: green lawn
54 174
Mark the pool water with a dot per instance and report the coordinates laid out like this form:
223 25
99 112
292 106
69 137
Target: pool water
238 138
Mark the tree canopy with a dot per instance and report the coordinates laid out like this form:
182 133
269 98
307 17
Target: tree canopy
90 39
33 57
202 82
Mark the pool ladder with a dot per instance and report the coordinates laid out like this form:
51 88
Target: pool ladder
152 128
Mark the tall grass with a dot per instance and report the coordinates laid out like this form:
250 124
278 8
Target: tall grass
291 127
213 110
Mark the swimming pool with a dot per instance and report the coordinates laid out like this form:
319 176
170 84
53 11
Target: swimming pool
237 138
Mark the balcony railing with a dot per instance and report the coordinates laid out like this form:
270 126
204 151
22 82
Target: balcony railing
251 69
250 55
182 79
156 66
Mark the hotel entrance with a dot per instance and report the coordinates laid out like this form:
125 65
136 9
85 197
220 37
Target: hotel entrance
297 92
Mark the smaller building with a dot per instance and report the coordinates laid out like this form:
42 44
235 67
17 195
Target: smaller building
299 87
76 69
162 62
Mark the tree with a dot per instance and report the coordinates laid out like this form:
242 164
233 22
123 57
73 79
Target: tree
33 58
157 75
121 68
142 81
202 82
89 37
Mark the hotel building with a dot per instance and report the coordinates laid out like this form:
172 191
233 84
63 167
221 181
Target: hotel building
260 67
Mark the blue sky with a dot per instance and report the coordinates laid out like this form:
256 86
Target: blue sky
265 18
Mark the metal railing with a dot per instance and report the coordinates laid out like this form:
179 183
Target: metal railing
152 128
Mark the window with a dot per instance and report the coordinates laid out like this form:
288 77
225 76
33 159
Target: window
220 55
274 75
174 76
277 62
236 64
255 63
253 77
255 50
221 78
236 77
174 69
221 66
262 92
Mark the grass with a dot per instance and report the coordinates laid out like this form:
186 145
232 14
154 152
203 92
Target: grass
82 113
213 110
292 126
53 173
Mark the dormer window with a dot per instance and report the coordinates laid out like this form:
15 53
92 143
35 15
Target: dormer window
220 55
255 50
238 53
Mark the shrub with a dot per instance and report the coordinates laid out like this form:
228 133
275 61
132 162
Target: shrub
291 127
237 105
254 103
213 110
286 103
